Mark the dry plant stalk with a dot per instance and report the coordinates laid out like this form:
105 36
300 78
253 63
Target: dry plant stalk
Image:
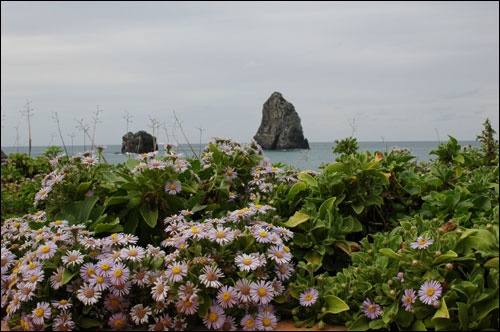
184 134
56 117
128 119
96 120
28 113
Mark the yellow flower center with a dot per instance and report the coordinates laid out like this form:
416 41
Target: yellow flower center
58 222
247 261
195 230
371 308
286 249
34 278
89 293
45 249
39 312
422 242
118 323
114 303
309 297
63 301
91 272
182 245
100 280
132 253
409 299
226 296
213 317
118 273
31 266
221 235
229 172
176 270
172 187
266 321
17 224
105 267
262 292
278 254
430 291
263 234
282 270
188 304
59 277
250 323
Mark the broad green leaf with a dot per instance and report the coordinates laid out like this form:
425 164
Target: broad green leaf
86 208
297 219
360 324
187 188
376 324
67 276
334 305
83 187
313 258
150 216
88 323
390 253
297 187
132 163
358 207
326 206
444 257
442 312
483 309
463 315
115 200
307 179
108 228
335 167
417 326
492 263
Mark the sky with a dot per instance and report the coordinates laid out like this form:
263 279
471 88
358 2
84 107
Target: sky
403 71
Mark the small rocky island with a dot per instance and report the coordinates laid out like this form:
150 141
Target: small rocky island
140 142
280 128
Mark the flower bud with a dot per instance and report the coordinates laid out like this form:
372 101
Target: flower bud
437 253
406 232
459 232
436 304
390 282
321 325
351 291
435 220
369 251
413 228
320 279
449 266
414 263
489 227
295 312
392 292
344 286
323 309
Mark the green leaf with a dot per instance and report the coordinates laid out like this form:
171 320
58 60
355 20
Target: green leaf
334 305
417 325
297 219
390 253
335 167
115 200
150 216
297 187
132 222
108 228
86 208
442 312
358 207
492 263
88 323
360 324
83 187
132 163
187 188
327 205
444 257
483 309
314 258
463 315
67 276
307 179
376 324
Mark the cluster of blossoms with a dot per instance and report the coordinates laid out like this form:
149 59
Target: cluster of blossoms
240 285
50 180
429 293
52 274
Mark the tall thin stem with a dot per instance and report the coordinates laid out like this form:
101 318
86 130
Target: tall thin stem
56 117
28 113
184 134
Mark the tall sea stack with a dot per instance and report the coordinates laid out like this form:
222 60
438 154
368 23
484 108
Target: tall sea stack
280 128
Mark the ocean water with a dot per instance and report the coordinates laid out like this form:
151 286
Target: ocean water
320 152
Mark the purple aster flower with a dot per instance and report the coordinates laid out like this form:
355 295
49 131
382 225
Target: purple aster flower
262 292
188 306
266 321
248 323
408 299
230 173
176 271
173 188
371 310
401 276
422 243
215 318
227 297
430 291
309 297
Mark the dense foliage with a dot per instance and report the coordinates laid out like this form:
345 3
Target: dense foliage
231 241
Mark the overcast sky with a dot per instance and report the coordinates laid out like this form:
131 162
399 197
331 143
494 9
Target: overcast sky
401 70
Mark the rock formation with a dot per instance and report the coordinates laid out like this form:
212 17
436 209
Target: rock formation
140 142
280 128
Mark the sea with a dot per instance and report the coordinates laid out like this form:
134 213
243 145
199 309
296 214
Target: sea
320 152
